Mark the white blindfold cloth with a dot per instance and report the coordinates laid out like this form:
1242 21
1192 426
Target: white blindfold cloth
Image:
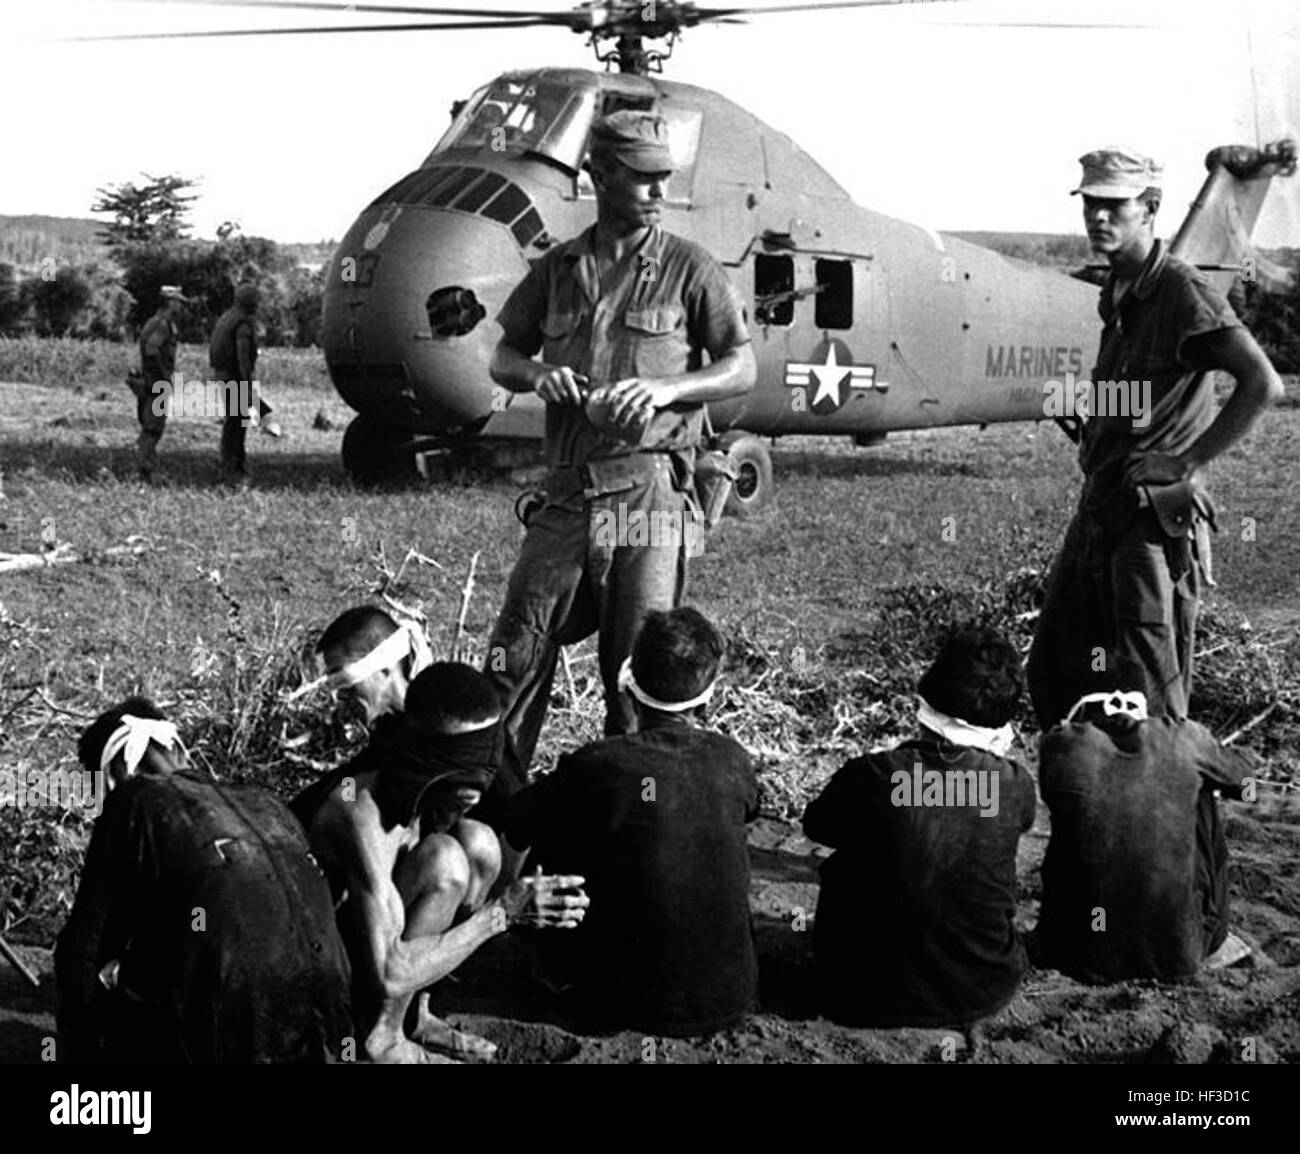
1131 704
627 683
995 741
132 738
407 640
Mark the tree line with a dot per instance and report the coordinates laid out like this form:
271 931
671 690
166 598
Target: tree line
145 245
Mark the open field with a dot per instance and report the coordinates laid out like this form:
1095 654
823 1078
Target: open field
832 601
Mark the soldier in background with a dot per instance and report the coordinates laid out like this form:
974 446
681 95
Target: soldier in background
157 363
233 357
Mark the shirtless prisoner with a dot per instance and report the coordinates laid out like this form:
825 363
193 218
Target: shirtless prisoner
410 873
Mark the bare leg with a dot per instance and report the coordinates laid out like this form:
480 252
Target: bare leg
484 851
434 880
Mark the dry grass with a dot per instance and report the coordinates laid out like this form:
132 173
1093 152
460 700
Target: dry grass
832 603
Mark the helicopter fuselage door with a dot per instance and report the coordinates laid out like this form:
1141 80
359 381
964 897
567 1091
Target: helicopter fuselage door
821 338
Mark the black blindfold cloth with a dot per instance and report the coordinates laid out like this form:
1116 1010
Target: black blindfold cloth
411 763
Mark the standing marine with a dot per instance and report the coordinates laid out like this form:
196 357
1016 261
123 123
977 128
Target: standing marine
1136 556
638 329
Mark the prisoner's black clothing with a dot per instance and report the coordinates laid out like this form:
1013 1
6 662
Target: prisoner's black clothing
656 823
1135 881
208 897
914 920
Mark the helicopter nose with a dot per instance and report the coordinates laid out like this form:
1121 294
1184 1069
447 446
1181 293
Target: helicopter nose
409 314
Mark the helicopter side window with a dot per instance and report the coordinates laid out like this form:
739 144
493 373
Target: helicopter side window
773 289
834 294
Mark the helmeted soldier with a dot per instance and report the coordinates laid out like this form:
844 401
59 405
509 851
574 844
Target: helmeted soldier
157 364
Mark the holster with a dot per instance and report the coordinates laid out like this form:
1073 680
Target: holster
1178 507
1186 514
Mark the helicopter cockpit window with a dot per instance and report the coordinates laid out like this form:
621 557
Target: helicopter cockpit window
514 116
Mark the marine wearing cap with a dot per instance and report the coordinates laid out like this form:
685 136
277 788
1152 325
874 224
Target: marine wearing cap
1117 174
637 139
173 292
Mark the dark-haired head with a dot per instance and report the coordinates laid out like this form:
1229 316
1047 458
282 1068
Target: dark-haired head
355 632
677 654
977 677
90 746
451 697
351 636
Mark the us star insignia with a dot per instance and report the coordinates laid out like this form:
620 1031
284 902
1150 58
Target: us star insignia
835 379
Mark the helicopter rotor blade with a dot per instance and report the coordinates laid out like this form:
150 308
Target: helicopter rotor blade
395 9
424 27
717 13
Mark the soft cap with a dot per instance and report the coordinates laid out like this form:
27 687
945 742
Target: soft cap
1118 174
638 139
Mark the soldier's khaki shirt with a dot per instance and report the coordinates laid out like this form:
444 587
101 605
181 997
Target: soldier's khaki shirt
158 342
665 305
1144 341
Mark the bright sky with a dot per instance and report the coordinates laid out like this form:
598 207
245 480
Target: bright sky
916 110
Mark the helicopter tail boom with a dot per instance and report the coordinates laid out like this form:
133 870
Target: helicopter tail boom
1216 234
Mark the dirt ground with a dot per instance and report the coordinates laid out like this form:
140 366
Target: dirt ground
1052 1020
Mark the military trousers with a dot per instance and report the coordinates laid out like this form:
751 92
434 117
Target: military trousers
151 412
598 563
234 433
1130 589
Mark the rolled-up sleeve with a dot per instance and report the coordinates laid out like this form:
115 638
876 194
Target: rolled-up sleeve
522 315
715 311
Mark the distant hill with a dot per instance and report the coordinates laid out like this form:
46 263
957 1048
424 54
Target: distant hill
25 241
1052 249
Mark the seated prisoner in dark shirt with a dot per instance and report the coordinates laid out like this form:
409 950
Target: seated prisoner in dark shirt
202 929
1135 880
914 920
656 822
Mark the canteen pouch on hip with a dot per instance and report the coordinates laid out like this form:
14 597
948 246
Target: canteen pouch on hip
714 477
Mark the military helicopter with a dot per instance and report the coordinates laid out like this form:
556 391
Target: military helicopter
862 324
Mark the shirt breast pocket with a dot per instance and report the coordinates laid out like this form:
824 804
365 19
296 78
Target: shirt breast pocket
658 342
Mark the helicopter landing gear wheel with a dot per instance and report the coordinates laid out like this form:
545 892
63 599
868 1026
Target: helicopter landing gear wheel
373 453
752 490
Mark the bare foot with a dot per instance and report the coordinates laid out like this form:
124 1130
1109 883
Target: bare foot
390 1050
436 1034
